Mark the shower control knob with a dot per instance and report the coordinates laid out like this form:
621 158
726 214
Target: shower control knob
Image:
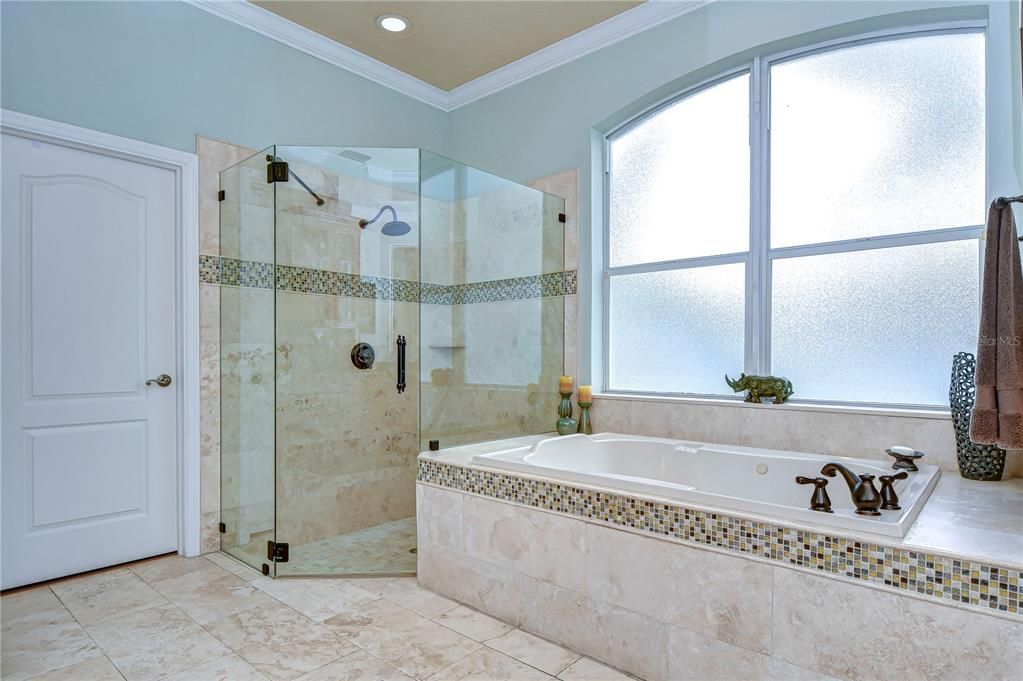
363 356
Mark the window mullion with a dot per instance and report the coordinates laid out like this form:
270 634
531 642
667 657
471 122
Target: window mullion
758 269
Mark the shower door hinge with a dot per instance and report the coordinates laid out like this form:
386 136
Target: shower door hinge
277 552
562 217
276 171
221 195
223 528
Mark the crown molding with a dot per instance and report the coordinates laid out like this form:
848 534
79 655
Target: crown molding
608 32
265 22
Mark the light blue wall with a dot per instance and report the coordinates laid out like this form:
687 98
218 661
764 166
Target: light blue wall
555 121
163 71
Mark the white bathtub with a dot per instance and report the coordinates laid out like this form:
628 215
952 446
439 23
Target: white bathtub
746 480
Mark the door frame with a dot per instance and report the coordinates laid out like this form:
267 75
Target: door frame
185 166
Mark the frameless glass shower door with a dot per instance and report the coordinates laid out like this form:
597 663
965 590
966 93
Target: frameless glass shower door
347 295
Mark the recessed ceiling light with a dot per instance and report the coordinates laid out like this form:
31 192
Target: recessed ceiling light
392 23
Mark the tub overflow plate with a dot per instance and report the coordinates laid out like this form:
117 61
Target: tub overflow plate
762 468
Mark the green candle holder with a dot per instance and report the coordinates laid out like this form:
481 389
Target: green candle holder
566 425
585 427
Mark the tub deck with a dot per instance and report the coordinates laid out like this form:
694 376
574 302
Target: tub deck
962 518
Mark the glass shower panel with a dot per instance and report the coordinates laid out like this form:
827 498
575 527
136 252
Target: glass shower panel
247 360
347 438
492 311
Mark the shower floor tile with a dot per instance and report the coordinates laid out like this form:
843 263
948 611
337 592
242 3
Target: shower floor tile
381 549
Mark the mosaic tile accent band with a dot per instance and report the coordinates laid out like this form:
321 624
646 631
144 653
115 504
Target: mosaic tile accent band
215 269
942 577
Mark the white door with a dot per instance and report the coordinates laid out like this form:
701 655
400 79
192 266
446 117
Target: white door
89 449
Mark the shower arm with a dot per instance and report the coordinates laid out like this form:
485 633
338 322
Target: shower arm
319 201
366 223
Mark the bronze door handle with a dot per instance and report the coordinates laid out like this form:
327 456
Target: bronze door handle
163 380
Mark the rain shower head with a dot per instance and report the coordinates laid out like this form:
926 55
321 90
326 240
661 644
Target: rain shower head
393 228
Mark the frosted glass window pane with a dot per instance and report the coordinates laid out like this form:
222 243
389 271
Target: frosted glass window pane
876 139
677 331
680 179
875 326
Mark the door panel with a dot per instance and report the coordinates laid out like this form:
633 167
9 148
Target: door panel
81 474
89 309
101 259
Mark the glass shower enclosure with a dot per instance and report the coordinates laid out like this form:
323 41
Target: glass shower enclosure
372 300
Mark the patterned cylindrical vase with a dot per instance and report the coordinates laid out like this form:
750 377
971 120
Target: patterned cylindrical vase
976 461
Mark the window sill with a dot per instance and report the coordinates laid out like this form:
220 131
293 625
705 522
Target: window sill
821 408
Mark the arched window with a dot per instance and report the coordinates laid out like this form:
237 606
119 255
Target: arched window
815 215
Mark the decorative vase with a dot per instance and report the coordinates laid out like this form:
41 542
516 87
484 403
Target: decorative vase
976 461
584 418
566 425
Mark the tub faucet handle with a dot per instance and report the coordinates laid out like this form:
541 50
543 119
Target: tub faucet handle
820 500
889 499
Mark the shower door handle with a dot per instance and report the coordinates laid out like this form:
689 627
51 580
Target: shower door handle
401 364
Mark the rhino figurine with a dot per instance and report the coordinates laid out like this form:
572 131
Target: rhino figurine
762 386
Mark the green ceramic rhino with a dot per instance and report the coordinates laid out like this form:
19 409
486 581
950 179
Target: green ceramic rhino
762 386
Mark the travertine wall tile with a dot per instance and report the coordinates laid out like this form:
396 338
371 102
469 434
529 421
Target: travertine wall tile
695 657
214 156
846 630
674 584
483 586
506 535
439 518
613 635
855 435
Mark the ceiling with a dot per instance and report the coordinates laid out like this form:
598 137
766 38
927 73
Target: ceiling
448 42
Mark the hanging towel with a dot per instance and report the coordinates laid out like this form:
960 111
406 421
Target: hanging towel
998 410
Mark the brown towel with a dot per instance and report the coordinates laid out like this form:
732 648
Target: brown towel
998 411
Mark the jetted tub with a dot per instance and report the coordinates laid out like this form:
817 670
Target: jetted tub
748 480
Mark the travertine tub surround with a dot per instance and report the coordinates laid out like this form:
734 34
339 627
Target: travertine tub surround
668 610
853 432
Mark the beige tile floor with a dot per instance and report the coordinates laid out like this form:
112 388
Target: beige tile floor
215 619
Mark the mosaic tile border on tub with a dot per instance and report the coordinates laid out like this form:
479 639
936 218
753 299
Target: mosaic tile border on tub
214 269
941 577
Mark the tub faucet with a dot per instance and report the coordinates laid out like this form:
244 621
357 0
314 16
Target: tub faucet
864 495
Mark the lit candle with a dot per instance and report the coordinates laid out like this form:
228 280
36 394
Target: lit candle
565 384
585 393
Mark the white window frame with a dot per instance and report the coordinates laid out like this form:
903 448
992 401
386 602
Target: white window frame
759 258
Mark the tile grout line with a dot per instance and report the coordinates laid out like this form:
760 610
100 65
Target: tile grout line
85 631
486 642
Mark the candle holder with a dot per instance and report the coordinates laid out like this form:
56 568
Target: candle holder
585 427
566 425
